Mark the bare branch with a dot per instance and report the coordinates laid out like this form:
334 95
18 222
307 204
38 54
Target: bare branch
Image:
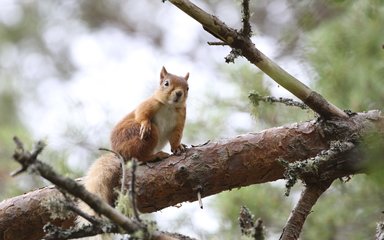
308 199
246 30
132 191
256 98
27 159
244 46
123 170
217 44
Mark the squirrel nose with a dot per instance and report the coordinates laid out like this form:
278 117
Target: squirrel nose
179 94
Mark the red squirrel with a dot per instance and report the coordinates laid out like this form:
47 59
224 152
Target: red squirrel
141 135
144 132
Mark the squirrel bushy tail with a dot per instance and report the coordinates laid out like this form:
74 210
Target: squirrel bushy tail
104 173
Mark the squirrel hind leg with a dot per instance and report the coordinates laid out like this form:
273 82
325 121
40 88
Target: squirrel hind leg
129 143
155 157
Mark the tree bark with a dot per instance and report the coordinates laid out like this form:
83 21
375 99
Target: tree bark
217 166
299 214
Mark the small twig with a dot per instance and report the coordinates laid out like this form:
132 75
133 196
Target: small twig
199 189
200 200
308 199
71 205
25 158
217 44
202 144
133 190
256 98
246 30
122 163
72 187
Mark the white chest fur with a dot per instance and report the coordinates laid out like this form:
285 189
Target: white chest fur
165 120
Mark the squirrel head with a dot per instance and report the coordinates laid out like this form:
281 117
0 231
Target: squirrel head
173 90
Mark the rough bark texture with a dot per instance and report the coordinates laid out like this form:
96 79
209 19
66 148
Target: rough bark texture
226 164
309 197
212 168
23 217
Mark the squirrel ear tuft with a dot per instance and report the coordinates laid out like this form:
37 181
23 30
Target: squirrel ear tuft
163 73
186 76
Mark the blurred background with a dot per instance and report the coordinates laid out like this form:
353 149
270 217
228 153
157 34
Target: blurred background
69 70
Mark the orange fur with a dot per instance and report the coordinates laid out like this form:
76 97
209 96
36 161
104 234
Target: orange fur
160 118
142 134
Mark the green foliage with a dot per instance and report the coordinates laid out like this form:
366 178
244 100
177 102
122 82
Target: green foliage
347 55
347 211
372 147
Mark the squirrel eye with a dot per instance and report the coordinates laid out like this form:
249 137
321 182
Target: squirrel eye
166 83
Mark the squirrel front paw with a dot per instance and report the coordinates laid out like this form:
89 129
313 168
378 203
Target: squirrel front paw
145 129
179 150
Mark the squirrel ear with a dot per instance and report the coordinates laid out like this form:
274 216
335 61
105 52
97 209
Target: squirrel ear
186 76
163 73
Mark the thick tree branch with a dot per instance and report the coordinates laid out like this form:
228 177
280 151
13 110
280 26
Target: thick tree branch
242 44
29 161
217 166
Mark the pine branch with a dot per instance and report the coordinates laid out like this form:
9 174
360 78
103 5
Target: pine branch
241 44
308 199
216 166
